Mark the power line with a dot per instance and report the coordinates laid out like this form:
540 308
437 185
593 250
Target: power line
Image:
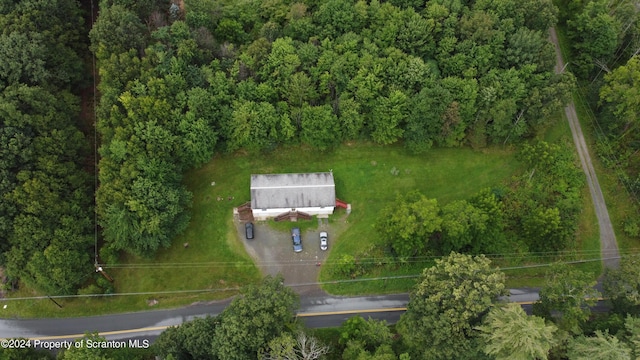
95 148
169 292
363 260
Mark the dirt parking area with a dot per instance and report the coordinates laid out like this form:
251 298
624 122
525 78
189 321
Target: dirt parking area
273 253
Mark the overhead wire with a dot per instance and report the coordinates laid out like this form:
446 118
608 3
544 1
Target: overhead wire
95 146
228 289
362 260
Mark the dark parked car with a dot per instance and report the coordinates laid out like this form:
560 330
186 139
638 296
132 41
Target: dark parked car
323 240
297 240
248 230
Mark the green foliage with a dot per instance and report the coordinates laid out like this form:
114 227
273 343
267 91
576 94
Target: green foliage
303 347
324 54
601 346
191 340
568 293
86 352
631 335
257 126
250 322
346 266
370 334
449 301
415 225
463 225
622 286
254 75
387 116
511 334
594 35
152 214
41 44
48 232
407 224
546 201
320 127
29 353
619 111
492 240
355 350
116 30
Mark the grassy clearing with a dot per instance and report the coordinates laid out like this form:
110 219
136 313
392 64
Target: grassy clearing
367 176
368 182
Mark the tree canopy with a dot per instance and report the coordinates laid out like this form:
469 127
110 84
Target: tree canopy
510 333
449 301
46 226
251 321
566 297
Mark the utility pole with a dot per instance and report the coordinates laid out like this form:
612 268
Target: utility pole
101 271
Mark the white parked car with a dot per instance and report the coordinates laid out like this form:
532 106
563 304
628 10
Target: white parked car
323 240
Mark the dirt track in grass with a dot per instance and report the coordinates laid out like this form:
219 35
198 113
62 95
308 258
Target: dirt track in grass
608 243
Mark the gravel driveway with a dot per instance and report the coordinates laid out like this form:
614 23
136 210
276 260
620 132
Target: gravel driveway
273 253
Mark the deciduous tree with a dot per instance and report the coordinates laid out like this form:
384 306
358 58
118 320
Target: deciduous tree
407 224
251 321
569 293
320 127
299 346
116 30
462 225
449 301
594 35
621 92
622 286
388 118
370 333
191 340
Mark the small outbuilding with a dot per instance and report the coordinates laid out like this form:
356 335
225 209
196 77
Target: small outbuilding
307 193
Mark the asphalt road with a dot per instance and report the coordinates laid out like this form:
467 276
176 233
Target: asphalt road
608 244
151 323
315 312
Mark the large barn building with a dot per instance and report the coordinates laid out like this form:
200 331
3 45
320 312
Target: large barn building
277 194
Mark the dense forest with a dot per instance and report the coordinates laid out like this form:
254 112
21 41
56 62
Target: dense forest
180 82
46 206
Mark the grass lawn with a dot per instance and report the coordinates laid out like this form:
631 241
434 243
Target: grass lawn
366 179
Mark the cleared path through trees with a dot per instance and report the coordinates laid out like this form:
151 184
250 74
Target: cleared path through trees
608 244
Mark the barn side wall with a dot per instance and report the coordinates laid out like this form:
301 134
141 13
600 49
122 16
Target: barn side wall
264 214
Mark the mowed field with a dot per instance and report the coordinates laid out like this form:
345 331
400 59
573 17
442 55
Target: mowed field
215 262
